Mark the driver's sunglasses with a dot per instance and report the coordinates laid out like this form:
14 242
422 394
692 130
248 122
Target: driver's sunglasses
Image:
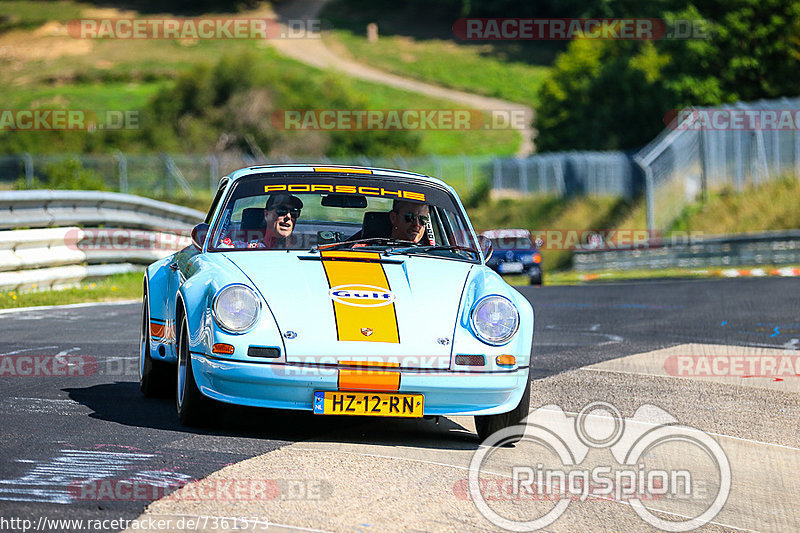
410 217
283 211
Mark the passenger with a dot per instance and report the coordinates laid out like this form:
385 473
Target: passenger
409 220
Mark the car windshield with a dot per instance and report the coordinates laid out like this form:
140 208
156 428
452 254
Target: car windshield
313 212
512 243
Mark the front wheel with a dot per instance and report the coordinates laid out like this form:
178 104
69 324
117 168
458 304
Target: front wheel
489 424
191 403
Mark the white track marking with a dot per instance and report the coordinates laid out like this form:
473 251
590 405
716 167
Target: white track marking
66 306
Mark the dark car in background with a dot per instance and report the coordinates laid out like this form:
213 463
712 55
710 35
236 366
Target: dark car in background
515 253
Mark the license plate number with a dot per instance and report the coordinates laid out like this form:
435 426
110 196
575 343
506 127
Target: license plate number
368 404
511 267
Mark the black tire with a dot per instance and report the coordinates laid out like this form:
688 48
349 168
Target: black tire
192 405
536 280
155 377
489 424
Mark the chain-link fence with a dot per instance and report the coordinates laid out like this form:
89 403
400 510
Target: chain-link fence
165 175
703 149
569 174
709 148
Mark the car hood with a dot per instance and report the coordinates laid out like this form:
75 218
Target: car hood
357 305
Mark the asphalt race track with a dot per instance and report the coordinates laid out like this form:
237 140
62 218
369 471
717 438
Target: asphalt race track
80 416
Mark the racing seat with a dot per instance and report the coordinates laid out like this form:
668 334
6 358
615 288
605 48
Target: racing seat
253 219
376 224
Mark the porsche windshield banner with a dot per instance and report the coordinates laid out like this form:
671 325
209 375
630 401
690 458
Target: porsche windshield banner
344 189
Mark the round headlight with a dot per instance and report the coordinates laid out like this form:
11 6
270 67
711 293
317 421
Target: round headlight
236 308
494 320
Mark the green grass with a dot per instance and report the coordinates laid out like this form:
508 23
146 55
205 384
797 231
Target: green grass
94 97
466 67
117 287
28 15
123 75
769 206
575 278
549 213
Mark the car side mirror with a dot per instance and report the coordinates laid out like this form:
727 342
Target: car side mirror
486 246
199 234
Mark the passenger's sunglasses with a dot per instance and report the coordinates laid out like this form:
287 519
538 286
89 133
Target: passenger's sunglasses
410 217
283 211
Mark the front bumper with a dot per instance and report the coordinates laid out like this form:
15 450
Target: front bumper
288 386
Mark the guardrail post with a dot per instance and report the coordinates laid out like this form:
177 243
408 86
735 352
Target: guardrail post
122 170
497 178
28 160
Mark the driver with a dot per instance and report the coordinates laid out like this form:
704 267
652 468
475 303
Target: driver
409 220
280 214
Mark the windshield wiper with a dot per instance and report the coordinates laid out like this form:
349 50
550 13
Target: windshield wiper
379 241
429 248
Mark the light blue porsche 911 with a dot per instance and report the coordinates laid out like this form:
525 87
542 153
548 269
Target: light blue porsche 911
341 291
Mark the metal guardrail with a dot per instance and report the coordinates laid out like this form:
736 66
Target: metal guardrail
768 248
50 208
61 256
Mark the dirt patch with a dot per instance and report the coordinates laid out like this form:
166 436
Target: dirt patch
49 41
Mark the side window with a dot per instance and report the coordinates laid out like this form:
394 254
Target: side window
223 184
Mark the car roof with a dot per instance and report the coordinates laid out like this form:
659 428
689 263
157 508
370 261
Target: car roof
506 233
327 169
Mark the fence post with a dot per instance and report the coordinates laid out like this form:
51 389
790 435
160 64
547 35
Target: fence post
739 165
649 194
437 167
523 174
703 152
122 171
213 172
166 182
558 171
28 160
797 153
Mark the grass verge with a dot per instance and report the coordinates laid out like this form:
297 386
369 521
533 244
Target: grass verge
118 287
577 278
445 63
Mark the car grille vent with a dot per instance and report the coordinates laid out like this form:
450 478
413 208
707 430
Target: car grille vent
470 360
264 351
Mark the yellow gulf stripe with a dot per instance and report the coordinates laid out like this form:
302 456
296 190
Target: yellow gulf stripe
350 319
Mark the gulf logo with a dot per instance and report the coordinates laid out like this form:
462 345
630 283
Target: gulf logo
361 295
